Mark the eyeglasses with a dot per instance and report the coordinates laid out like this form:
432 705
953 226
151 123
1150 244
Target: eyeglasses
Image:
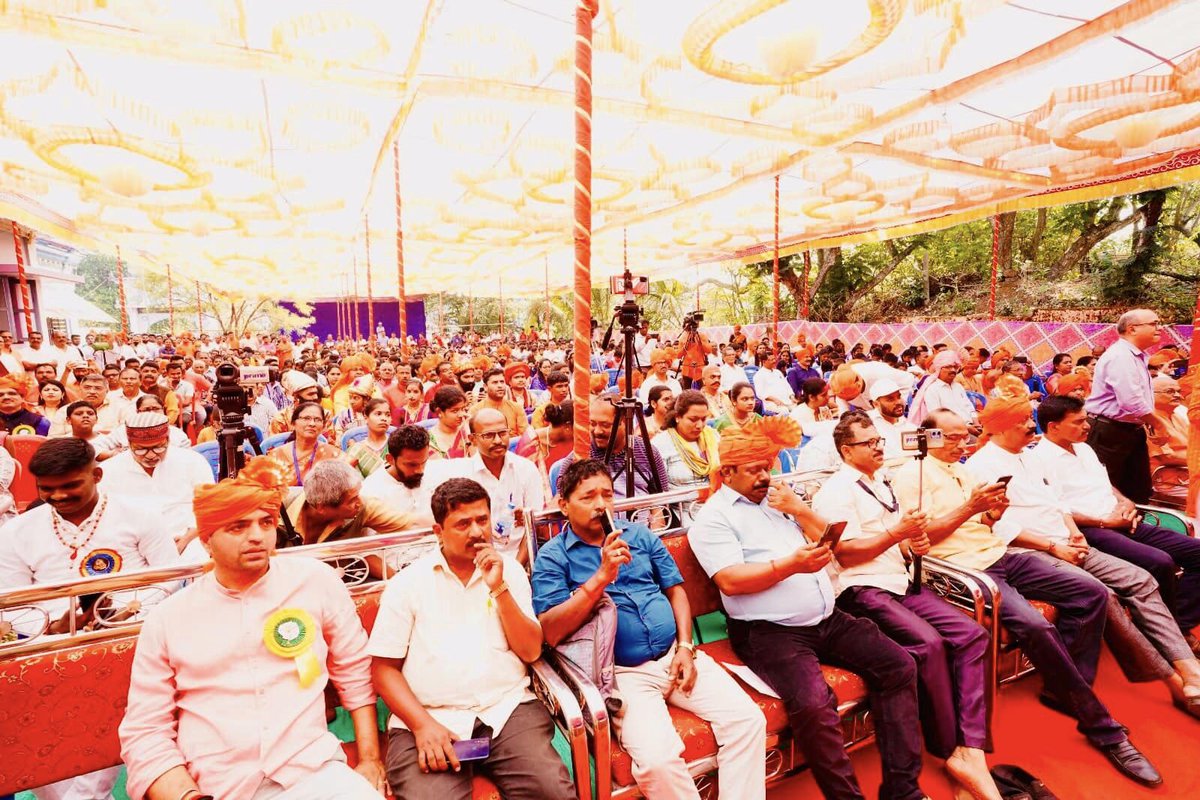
317 420
1155 324
871 443
493 436
158 450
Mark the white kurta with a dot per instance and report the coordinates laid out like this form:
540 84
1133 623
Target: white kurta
167 492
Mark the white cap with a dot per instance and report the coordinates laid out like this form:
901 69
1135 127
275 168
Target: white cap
882 388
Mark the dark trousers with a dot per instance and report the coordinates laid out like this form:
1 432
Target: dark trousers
1121 448
789 659
522 763
949 649
1160 552
1065 654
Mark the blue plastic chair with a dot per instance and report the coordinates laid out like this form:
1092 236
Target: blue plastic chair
273 441
555 470
353 435
258 433
750 369
612 375
212 453
512 444
788 458
976 397
428 424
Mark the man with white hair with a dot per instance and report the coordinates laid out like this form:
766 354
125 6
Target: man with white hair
330 507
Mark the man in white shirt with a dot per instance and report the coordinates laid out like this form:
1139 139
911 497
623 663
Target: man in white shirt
874 582
732 373
406 484
158 477
888 417
33 353
512 481
451 648
1110 521
771 386
1147 641
93 390
60 353
124 399
941 390
873 371
660 362
78 532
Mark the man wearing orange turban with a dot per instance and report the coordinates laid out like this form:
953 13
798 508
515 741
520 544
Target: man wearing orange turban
1006 411
1077 384
782 619
256 634
660 363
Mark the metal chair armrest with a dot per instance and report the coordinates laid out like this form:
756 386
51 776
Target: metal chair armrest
595 714
560 701
1151 511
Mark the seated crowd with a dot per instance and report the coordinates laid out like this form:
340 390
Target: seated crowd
1035 480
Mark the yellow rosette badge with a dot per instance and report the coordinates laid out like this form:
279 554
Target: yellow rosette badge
290 633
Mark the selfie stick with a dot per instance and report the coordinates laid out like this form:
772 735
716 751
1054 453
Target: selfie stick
922 451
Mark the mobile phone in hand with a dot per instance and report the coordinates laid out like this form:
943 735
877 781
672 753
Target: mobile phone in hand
832 535
1004 479
473 749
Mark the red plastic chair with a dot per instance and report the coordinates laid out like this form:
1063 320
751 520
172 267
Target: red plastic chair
24 487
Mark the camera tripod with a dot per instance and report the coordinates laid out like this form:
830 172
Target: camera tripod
629 411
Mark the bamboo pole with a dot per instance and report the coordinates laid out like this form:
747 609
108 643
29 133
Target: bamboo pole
400 295
370 295
121 295
23 281
585 11
775 271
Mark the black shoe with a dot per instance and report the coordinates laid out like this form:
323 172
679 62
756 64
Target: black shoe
1130 762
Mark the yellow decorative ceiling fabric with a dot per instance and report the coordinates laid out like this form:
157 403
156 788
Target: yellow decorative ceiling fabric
243 143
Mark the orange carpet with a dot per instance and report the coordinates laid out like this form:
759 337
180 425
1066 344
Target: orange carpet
1045 743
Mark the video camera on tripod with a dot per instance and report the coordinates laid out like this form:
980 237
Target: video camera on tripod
692 320
232 400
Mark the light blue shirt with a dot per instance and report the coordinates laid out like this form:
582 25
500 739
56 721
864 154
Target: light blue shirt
730 530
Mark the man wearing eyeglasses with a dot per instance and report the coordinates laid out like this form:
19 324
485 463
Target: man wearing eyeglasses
158 477
1122 404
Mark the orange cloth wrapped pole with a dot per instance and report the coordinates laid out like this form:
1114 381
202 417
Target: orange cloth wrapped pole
804 283
585 11
354 296
26 298
1193 412
995 265
170 300
370 295
775 270
120 294
403 319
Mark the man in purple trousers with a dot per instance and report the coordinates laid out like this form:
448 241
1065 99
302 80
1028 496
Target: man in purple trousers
949 648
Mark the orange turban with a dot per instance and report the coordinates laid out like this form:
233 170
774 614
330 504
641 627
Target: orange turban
1004 412
1011 386
759 439
10 382
261 484
1165 356
513 368
845 383
1069 383
481 363
659 354
598 382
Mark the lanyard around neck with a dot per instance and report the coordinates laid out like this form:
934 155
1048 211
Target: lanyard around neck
895 504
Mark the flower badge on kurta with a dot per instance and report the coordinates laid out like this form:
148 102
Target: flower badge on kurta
290 633
100 562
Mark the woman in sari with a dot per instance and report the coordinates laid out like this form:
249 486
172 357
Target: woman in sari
741 408
304 449
688 446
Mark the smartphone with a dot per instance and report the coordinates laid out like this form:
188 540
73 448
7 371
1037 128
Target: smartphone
473 749
1004 479
832 535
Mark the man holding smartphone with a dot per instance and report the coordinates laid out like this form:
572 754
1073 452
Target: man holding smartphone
656 663
451 648
874 581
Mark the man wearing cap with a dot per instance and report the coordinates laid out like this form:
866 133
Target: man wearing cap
159 477
1163 362
1121 405
227 690
14 417
782 617
941 391
874 581
888 417
79 531
516 375
496 398
660 363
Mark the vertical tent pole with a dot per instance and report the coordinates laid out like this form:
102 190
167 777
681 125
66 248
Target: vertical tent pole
199 312
403 318
584 13
23 281
775 272
354 296
171 299
501 280
995 265
471 309
804 283
370 296
442 314
546 287
120 294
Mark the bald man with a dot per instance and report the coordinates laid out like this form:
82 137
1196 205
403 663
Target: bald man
710 387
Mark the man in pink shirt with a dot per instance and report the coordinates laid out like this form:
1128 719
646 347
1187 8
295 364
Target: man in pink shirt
226 696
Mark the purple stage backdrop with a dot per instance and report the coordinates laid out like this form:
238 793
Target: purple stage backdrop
386 311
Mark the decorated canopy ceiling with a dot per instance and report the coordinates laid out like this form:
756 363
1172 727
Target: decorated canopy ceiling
244 142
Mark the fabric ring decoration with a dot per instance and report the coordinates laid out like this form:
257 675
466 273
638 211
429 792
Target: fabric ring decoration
24 430
100 562
290 633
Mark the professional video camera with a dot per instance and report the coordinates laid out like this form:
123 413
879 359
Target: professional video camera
231 399
692 320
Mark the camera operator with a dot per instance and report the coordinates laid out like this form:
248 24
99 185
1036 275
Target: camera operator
696 350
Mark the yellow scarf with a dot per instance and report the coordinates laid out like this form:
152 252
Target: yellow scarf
703 464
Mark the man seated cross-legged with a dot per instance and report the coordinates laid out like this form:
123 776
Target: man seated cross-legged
451 646
656 663
227 692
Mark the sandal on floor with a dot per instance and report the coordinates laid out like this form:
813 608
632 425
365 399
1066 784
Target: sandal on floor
1015 783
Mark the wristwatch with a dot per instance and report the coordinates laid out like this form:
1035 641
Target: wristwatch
691 648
